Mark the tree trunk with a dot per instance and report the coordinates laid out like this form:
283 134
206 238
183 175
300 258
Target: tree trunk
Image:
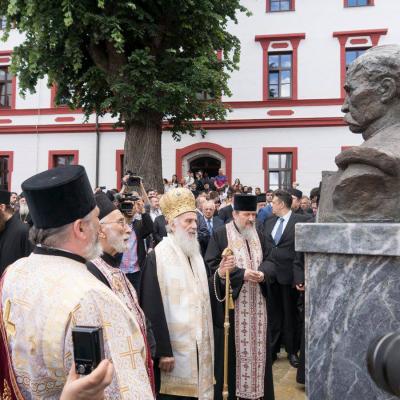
142 151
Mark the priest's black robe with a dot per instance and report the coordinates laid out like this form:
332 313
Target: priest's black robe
14 242
152 305
218 242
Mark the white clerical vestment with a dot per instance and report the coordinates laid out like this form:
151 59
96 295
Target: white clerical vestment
43 297
186 302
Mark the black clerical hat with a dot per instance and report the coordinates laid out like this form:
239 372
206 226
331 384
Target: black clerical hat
261 198
244 202
58 196
104 203
5 197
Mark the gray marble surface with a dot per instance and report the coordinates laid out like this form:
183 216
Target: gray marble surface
349 238
350 300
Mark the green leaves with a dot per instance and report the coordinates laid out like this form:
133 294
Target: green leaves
130 58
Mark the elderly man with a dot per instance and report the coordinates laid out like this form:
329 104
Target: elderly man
14 242
114 236
250 366
372 108
45 295
175 297
213 222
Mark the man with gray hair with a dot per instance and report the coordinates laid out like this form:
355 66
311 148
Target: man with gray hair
45 295
372 108
175 297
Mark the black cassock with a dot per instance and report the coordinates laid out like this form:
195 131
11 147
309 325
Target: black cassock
14 242
152 305
218 242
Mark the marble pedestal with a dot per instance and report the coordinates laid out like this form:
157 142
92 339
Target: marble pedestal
352 296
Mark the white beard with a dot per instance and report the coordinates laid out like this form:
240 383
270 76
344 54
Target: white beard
187 243
93 251
117 242
248 233
23 209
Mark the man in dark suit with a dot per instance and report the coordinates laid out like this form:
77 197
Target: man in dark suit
159 229
277 238
212 221
225 213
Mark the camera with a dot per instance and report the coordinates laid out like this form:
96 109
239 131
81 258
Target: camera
126 202
133 179
383 361
88 348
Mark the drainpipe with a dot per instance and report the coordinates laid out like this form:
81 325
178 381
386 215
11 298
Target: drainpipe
97 150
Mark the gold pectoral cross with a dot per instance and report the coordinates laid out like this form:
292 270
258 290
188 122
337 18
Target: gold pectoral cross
10 327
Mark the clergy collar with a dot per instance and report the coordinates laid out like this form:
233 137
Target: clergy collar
51 251
113 261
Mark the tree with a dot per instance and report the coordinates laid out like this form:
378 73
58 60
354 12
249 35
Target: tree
147 62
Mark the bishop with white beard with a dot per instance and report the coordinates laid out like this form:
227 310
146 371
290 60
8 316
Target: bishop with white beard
175 297
249 359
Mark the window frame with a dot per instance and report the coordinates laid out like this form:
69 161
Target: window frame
279 70
5 62
292 7
55 153
266 151
276 43
119 154
374 35
370 4
10 155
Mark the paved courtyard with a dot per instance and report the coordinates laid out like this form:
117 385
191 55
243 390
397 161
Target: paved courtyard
286 387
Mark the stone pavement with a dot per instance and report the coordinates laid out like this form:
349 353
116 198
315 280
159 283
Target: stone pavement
286 387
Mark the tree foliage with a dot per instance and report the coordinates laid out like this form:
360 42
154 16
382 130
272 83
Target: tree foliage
139 60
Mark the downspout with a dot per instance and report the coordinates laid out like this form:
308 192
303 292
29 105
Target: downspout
97 149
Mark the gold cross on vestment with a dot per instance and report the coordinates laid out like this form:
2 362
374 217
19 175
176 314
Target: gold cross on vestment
175 292
131 352
10 327
123 390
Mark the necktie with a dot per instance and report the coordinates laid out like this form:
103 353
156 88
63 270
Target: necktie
209 226
279 231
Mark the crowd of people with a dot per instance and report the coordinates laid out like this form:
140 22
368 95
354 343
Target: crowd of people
149 268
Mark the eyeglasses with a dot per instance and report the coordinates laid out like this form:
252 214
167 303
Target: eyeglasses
121 222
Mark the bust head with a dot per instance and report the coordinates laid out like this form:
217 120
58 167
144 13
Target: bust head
373 90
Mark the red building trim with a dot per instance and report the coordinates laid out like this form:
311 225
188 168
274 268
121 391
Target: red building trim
118 158
64 119
5 121
52 153
5 58
268 6
211 125
10 155
265 41
269 150
284 103
280 112
343 148
374 35
226 152
346 4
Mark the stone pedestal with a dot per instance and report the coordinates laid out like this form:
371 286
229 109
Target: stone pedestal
352 296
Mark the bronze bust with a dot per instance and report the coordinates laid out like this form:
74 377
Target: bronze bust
366 188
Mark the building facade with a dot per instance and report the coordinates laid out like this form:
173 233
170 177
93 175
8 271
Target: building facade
285 122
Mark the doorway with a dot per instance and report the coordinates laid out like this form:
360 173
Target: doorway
209 165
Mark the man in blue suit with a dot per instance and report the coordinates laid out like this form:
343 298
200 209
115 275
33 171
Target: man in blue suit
212 221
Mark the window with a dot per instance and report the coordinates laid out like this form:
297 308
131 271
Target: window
280 5
59 158
280 61
352 54
358 3
6 167
280 165
6 87
3 22
279 75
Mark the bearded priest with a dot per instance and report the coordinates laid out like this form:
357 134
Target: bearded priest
45 295
175 297
114 236
249 360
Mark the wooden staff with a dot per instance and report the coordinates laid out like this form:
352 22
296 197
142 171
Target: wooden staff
228 306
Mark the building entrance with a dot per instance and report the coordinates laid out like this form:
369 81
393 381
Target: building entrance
209 165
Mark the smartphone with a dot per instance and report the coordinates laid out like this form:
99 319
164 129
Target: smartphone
88 348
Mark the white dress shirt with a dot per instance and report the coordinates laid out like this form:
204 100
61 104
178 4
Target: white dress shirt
285 221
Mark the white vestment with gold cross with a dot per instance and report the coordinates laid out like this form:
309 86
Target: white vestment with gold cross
186 301
43 297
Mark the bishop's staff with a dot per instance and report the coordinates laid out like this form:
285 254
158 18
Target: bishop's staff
228 306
